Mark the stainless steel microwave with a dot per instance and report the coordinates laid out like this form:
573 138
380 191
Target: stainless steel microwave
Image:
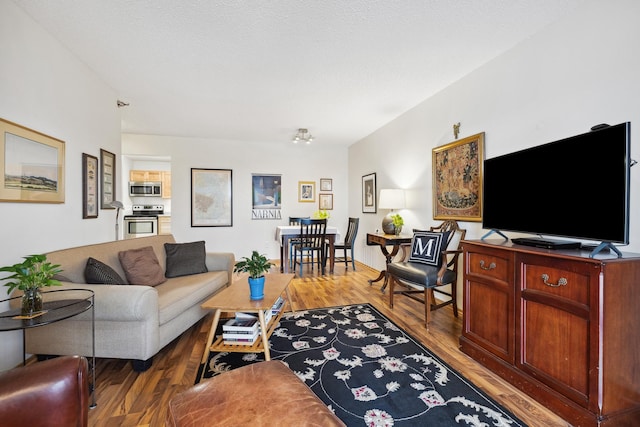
145 189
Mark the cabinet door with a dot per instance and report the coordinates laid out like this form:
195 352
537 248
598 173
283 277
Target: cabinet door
137 176
164 224
166 185
558 336
489 318
145 176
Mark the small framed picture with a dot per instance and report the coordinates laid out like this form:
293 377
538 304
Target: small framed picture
325 201
306 191
326 184
369 193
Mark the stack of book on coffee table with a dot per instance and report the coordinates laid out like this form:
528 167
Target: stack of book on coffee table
244 329
241 331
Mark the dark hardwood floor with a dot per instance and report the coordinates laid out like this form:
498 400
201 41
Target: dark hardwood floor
127 398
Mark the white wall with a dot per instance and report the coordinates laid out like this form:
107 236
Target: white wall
576 73
45 88
294 162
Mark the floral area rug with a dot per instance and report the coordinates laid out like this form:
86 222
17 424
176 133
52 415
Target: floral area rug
370 372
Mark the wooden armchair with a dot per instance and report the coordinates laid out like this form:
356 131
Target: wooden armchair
419 280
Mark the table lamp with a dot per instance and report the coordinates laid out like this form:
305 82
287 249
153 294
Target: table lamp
390 199
118 205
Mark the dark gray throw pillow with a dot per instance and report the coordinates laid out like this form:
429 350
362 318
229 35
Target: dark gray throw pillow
184 259
97 272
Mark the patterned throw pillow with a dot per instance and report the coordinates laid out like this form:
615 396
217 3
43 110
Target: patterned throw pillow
427 247
141 266
184 259
97 272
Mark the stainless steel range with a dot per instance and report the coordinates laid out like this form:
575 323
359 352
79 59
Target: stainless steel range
143 221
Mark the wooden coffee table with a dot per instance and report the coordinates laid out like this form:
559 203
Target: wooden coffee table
236 298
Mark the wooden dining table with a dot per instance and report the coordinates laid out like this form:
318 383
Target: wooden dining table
284 233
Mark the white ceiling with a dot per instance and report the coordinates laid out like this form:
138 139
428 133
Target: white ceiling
259 69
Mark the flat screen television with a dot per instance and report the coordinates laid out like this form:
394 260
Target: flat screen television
577 187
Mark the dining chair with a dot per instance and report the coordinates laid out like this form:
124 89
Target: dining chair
348 243
294 220
432 265
311 242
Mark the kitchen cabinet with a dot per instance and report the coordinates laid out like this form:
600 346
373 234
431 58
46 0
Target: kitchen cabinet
145 176
164 177
559 325
164 224
166 184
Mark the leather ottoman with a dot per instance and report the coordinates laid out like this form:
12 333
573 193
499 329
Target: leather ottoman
260 394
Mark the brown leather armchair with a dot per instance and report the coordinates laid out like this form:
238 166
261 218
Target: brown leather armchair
50 393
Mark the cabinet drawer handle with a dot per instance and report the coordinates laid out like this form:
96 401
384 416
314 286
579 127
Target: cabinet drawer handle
491 266
561 281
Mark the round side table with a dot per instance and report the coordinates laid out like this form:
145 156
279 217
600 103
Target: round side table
57 305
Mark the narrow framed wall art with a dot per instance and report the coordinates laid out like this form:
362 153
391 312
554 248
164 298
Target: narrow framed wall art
89 186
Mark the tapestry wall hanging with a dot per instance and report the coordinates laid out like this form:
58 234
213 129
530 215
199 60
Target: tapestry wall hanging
457 179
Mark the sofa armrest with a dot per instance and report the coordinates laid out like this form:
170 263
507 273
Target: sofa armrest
119 302
53 392
221 261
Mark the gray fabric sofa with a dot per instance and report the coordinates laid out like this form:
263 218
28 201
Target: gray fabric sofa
131 321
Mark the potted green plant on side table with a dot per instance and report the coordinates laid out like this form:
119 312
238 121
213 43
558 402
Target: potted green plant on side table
398 222
256 266
29 276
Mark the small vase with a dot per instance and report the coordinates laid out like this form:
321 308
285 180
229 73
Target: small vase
398 230
31 301
256 288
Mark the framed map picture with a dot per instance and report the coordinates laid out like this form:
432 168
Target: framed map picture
211 198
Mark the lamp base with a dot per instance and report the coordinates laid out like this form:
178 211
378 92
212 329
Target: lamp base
387 224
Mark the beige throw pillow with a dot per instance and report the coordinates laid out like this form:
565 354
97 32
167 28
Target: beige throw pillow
141 266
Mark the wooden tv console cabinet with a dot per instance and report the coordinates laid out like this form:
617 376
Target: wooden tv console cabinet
562 327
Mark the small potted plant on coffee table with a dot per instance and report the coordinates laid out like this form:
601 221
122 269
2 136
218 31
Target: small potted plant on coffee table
29 276
256 266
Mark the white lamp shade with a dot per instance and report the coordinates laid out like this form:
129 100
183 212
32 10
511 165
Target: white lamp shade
391 199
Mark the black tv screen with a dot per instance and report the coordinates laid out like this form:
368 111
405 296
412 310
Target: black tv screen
577 187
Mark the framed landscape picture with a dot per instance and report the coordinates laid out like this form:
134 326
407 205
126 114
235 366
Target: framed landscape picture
211 198
369 204
31 165
457 179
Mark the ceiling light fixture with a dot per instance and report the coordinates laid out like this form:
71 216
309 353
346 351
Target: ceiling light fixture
303 135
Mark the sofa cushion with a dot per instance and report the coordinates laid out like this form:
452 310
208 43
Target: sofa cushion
178 294
100 273
184 259
141 266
